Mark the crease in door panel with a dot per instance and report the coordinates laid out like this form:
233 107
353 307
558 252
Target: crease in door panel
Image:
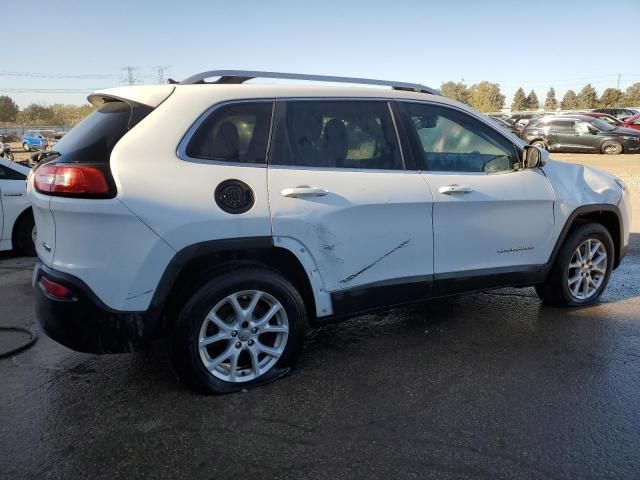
393 250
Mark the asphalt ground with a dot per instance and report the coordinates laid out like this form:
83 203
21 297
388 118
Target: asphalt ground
485 386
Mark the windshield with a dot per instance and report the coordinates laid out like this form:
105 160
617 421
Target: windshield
602 125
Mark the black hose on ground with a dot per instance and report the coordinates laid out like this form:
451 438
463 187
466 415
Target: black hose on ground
22 347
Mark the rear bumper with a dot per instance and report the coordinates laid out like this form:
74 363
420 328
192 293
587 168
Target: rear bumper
84 323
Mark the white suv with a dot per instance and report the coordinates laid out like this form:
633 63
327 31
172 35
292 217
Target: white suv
225 217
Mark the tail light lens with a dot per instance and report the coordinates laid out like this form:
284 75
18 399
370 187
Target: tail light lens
73 180
55 290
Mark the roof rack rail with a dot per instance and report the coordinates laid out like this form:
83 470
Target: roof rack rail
241 76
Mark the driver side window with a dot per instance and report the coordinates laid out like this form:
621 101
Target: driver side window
452 141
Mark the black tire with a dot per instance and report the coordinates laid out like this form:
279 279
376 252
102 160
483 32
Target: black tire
184 336
555 291
26 147
611 147
10 157
22 236
540 144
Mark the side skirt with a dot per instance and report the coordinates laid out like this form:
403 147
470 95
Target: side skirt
383 295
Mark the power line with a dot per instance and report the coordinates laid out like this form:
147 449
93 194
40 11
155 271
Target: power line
55 75
48 90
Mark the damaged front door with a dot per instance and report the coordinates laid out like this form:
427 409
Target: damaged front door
339 189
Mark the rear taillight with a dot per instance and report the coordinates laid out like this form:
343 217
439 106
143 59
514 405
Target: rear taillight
72 180
55 290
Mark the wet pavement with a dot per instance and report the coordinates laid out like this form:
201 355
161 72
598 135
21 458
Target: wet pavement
487 386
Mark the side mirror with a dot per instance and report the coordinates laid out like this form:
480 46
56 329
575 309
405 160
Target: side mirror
534 157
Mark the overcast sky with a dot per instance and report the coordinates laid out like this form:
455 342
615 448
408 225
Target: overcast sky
534 44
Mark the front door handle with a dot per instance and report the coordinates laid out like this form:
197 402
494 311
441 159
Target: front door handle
450 189
304 191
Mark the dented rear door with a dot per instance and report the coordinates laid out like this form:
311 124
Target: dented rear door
341 190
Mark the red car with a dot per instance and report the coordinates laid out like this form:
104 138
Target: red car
632 122
604 116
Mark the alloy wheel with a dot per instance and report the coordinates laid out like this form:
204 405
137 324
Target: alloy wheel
587 269
243 336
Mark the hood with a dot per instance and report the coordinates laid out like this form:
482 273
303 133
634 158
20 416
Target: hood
624 131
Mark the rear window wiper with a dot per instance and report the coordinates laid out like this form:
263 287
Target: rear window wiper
40 156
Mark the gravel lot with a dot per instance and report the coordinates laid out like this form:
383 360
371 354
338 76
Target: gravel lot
489 385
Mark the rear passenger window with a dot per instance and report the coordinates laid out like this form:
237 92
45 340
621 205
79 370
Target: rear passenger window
562 125
337 134
234 133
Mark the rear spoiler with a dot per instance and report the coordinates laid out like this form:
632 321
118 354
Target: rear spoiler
149 95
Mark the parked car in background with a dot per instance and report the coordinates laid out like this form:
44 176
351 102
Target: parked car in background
620 113
34 140
632 122
17 228
616 122
580 133
506 125
293 206
521 120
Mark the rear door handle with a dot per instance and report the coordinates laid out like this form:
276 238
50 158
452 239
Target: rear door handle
450 189
304 191
12 194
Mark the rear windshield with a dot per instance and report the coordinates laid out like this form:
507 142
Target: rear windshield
93 139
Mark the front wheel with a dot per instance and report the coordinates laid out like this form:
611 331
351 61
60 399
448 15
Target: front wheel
540 144
582 270
241 329
26 147
611 147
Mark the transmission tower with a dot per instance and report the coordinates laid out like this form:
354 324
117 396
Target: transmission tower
130 77
160 72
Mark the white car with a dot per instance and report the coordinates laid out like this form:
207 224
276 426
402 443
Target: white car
16 219
225 217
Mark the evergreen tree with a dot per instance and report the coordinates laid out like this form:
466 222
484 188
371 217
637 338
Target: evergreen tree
550 102
519 101
588 97
532 101
569 101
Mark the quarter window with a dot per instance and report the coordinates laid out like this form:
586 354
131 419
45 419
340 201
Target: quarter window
234 133
448 140
337 134
9 174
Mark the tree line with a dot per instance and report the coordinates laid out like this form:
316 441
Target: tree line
34 114
484 96
487 97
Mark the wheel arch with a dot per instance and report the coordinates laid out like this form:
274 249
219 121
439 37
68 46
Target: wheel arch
193 265
14 229
608 215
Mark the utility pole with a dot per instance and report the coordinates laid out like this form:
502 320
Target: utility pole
618 85
130 78
160 71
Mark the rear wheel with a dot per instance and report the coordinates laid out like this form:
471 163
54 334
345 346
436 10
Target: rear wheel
611 147
582 270
26 147
241 329
25 234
